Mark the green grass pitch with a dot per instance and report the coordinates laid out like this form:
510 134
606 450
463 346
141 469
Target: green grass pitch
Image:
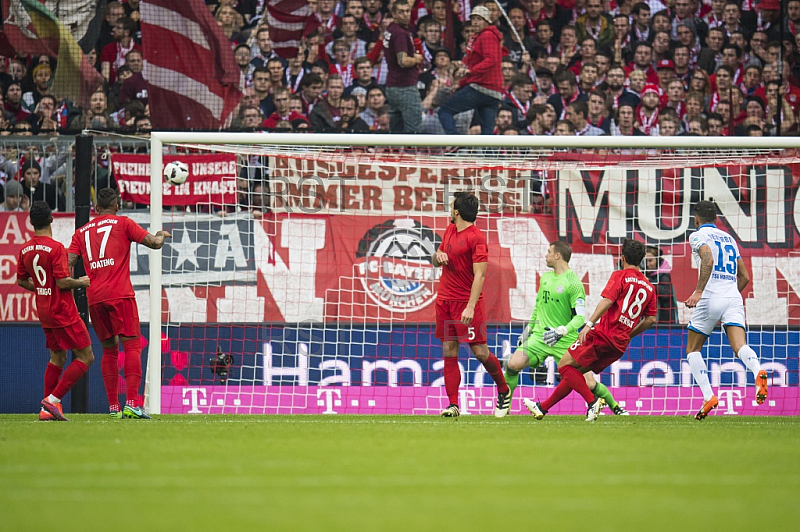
409 473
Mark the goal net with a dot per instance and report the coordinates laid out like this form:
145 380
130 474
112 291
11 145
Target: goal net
299 279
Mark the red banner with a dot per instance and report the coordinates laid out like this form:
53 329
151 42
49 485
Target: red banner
212 179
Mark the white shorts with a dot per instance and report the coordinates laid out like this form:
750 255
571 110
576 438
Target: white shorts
729 311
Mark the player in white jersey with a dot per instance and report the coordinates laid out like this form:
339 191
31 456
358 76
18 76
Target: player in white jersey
718 298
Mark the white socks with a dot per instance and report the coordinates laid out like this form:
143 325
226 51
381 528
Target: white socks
750 359
700 373
52 399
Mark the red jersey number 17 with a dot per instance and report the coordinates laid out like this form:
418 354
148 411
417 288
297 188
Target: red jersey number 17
106 230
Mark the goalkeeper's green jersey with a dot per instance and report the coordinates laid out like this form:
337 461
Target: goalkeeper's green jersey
561 300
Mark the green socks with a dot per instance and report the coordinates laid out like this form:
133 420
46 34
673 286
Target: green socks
512 379
602 392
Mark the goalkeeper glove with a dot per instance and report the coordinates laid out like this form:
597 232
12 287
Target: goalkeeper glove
552 336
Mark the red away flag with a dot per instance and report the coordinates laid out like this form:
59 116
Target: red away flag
289 21
189 67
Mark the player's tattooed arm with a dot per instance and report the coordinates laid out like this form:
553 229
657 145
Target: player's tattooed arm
72 259
68 283
706 265
27 284
742 275
156 241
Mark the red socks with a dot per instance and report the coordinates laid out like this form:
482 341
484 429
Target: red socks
577 382
571 379
452 379
494 369
51 375
72 374
110 371
133 369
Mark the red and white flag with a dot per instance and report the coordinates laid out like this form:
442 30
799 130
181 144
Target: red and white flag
189 66
289 21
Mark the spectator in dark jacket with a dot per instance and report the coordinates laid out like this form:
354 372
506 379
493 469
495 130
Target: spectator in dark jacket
481 87
658 273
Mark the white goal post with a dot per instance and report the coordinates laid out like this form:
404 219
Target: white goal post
566 217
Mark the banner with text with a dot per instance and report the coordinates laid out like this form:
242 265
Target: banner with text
212 179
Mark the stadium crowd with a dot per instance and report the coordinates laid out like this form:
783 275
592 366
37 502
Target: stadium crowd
563 67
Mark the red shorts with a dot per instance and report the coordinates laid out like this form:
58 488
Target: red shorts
449 327
74 336
117 317
594 354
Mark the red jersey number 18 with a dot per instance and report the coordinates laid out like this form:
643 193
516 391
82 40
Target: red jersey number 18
638 302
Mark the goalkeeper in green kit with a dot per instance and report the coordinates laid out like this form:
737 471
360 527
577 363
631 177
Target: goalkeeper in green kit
558 315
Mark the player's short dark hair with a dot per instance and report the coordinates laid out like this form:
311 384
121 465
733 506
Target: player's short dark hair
106 198
467 206
563 249
41 215
706 211
633 251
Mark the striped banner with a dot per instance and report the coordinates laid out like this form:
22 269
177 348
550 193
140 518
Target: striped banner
189 66
289 21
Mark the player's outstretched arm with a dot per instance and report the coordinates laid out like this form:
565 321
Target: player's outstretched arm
156 241
68 283
643 325
742 275
27 284
706 265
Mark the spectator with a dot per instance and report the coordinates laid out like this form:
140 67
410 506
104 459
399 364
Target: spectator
676 97
354 46
13 103
624 123
230 22
754 131
135 87
788 121
38 191
715 124
619 94
519 52
376 100
568 92
13 197
373 16
363 76
683 11
114 54
519 100
242 56
541 119
599 110
636 82
588 77
667 126
259 199
142 125
658 273
544 85
403 62
350 122
111 14
263 51
480 86
297 68
41 86
578 113
325 115
564 128
283 111
44 119
731 16
262 88
698 126
647 112
567 45
661 46
596 24
642 61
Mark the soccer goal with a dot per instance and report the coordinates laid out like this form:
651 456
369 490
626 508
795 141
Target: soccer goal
305 285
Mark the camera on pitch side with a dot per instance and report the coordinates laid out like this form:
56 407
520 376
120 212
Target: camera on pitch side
220 365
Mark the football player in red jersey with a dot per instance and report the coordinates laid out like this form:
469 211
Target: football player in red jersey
460 315
42 269
628 308
104 244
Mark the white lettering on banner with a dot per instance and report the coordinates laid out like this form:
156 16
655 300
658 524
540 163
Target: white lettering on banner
241 304
343 378
292 284
467 399
8 269
185 306
527 245
230 247
12 232
18 307
329 402
649 202
300 371
764 306
196 399
729 399
572 192
646 377
616 368
393 368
